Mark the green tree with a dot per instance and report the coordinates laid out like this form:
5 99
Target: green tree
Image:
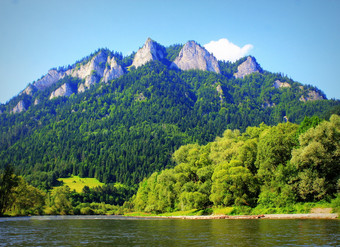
233 184
274 148
317 160
27 200
59 202
8 182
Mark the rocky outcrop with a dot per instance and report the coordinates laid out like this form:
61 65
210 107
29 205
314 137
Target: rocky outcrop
81 88
36 101
112 70
86 71
48 80
312 96
149 52
30 90
20 107
220 92
64 90
193 56
102 66
279 84
247 67
140 97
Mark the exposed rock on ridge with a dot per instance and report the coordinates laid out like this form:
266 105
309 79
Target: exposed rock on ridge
29 90
193 56
48 80
20 107
64 90
149 52
279 84
312 96
102 65
247 67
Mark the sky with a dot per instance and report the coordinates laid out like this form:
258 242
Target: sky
299 38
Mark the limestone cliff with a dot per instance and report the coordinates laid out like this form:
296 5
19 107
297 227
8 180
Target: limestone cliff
247 67
112 70
312 96
29 90
20 107
64 90
149 52
194 56
102 66
279 84
48 80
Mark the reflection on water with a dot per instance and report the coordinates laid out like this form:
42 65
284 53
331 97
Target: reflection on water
122 231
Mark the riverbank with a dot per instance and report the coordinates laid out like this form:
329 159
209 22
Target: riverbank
263 216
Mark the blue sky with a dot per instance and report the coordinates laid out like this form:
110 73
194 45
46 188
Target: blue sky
299 38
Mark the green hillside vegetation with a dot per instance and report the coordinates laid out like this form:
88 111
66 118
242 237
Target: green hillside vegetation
76 183
286 168
264 169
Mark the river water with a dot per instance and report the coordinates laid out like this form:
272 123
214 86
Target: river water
129 231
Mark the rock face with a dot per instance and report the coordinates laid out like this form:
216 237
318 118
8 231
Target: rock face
279 84
220 92
193 56
64 90
48 80
102 66
149 52
36 101
112 70
311 96
31 89
247 67
20 107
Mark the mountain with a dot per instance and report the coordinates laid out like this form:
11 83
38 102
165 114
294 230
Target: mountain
248 67
151 51
194 56
120 118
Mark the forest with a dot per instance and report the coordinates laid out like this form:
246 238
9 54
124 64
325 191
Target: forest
264 169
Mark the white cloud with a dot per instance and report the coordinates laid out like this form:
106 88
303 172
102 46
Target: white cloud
223 49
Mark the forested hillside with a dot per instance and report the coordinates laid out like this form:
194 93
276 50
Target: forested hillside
128 128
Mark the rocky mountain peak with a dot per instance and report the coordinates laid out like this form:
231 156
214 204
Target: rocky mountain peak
247 67
150 51
112 69
194 56
85 71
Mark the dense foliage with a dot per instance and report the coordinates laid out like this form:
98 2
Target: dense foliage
264 167
125 130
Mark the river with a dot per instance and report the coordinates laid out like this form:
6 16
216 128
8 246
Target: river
129 231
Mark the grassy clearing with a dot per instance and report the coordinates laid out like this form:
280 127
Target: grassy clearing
77 183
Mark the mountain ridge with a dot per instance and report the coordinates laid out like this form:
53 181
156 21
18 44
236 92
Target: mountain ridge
102 66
